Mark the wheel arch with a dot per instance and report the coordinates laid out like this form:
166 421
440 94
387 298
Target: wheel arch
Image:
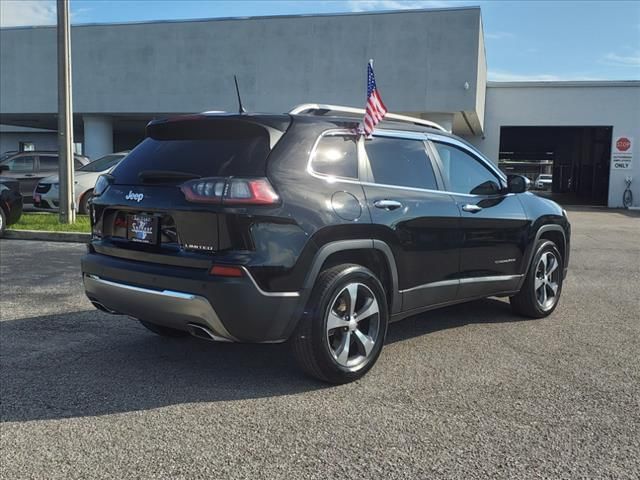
375 255
557 235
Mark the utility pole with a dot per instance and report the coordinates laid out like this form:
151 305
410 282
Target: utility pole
65 116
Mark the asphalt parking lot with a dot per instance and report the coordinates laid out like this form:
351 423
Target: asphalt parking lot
465 392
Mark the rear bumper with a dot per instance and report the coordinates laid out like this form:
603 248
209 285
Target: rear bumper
45 201
169 308
231 309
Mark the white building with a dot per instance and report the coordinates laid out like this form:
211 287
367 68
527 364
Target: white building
429 63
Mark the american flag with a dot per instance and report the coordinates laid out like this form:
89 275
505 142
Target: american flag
375 108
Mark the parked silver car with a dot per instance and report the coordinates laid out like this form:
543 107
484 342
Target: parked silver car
544 181
46 193
29 167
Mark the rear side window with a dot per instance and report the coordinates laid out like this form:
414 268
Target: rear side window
21 164
48 163
401 162
204 149
336 155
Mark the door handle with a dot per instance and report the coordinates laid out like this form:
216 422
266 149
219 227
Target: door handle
387 204
470 207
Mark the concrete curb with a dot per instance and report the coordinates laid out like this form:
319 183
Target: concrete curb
47 236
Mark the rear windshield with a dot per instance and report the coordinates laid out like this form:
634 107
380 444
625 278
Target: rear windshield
201 148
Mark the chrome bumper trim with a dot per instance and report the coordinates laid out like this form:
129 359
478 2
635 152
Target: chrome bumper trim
265 293
464 281
164 307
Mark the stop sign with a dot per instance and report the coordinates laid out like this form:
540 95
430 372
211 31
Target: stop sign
623 144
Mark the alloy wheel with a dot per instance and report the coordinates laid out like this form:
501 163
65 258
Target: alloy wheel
547 281
353 325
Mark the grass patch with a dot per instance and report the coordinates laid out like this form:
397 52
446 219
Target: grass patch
48 222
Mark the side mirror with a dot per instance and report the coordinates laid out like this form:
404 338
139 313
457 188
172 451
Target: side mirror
486 188
517 183
4 168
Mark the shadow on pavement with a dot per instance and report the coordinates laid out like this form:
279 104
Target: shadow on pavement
488 310
88 363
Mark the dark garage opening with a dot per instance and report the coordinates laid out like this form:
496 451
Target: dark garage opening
578 159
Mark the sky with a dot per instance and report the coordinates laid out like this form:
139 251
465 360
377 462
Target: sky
524 40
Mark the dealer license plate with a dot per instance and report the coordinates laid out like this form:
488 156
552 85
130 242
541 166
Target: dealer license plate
142 228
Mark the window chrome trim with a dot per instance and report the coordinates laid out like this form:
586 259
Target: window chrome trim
396 134
398 187
472 152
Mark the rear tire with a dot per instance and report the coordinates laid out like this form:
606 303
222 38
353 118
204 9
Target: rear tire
84 202
164 331
540 292
341 334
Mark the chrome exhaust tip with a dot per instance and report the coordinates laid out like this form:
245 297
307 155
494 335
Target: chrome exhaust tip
102 308
200 331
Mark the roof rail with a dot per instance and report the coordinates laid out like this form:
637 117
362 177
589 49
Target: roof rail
322 109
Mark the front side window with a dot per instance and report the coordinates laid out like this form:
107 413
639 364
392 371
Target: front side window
464 173
401 162
336 155
21 164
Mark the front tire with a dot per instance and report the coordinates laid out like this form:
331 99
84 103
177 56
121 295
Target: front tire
3 222
341 334
542 287
164 331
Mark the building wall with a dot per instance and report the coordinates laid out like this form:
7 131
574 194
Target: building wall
615 104
422 61
10 138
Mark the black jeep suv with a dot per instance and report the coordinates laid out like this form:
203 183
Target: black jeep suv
267 228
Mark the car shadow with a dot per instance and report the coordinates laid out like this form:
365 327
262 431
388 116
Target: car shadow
488 310
88 363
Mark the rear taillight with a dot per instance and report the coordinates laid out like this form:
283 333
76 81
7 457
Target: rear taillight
101 185
252 191
230 191
204 190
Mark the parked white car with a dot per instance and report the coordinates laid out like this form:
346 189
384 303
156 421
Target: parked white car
46 193
544 181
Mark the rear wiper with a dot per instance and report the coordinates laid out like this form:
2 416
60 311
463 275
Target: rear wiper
160 175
